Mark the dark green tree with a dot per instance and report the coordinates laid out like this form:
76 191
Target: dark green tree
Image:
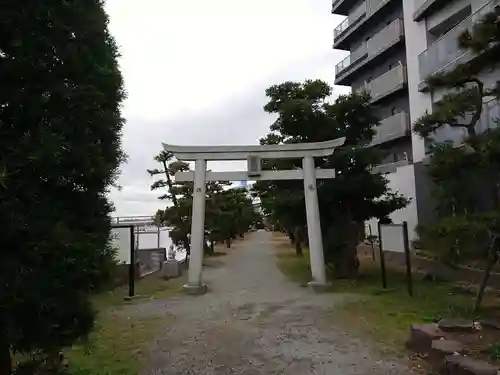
466 178
169 169
304 114
463 103
229 213
462 175
60 150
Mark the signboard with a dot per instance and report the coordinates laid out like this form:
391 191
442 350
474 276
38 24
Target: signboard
392 237
121 241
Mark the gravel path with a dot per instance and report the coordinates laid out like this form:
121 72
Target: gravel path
254 321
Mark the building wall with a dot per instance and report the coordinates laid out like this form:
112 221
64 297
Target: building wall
397 103
402 181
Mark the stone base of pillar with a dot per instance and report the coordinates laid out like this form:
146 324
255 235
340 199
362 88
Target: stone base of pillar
195 290
319 287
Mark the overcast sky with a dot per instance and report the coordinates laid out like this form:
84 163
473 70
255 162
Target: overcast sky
196 70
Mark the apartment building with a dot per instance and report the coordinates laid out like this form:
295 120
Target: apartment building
394 45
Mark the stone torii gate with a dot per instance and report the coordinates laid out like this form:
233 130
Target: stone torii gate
253 154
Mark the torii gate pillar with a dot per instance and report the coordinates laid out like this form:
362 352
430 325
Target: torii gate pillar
306 151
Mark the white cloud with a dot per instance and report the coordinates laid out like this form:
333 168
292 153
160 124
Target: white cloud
196 71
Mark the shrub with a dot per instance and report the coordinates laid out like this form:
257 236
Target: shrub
458 238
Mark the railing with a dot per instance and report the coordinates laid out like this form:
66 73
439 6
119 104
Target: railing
387 82
351 59
385 38
335 3
374 5
445 51
353 17
342 65
375 45
391 128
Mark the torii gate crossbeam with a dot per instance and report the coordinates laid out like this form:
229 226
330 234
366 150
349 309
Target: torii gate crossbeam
305 151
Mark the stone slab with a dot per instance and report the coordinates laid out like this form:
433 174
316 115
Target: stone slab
460 365
457 325
491 323
171 269
422 336
195 290
440 349
318 287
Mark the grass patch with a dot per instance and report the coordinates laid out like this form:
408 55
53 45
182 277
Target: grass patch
386 315
119 343
295 268
150 287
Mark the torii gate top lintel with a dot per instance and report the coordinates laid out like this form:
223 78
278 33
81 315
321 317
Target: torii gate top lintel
292 150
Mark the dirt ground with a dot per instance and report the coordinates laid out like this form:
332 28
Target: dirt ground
254 321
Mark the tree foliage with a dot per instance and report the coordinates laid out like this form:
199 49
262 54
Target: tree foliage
304 114
228 212
462 105
466 178
60 127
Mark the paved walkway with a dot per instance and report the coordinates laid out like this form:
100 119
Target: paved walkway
253 321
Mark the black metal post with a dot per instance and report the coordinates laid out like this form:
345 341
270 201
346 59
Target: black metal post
382 258
131 274
371 242
409 278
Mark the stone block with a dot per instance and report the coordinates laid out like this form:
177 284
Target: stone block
422 336
457 325
459 365
440 349
195 290
171 269
319 287
491 323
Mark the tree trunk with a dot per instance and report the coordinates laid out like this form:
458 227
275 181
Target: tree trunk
487 271
292 237
187 245
347 262
298 242
5 358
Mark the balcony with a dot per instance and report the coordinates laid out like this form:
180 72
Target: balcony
424 8
351 19
369 50
444 53
356 18
341 7
386 84
391 128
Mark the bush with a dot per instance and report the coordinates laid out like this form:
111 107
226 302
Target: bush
458 238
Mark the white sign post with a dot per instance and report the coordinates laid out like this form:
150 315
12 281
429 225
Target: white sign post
122 239
254 154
